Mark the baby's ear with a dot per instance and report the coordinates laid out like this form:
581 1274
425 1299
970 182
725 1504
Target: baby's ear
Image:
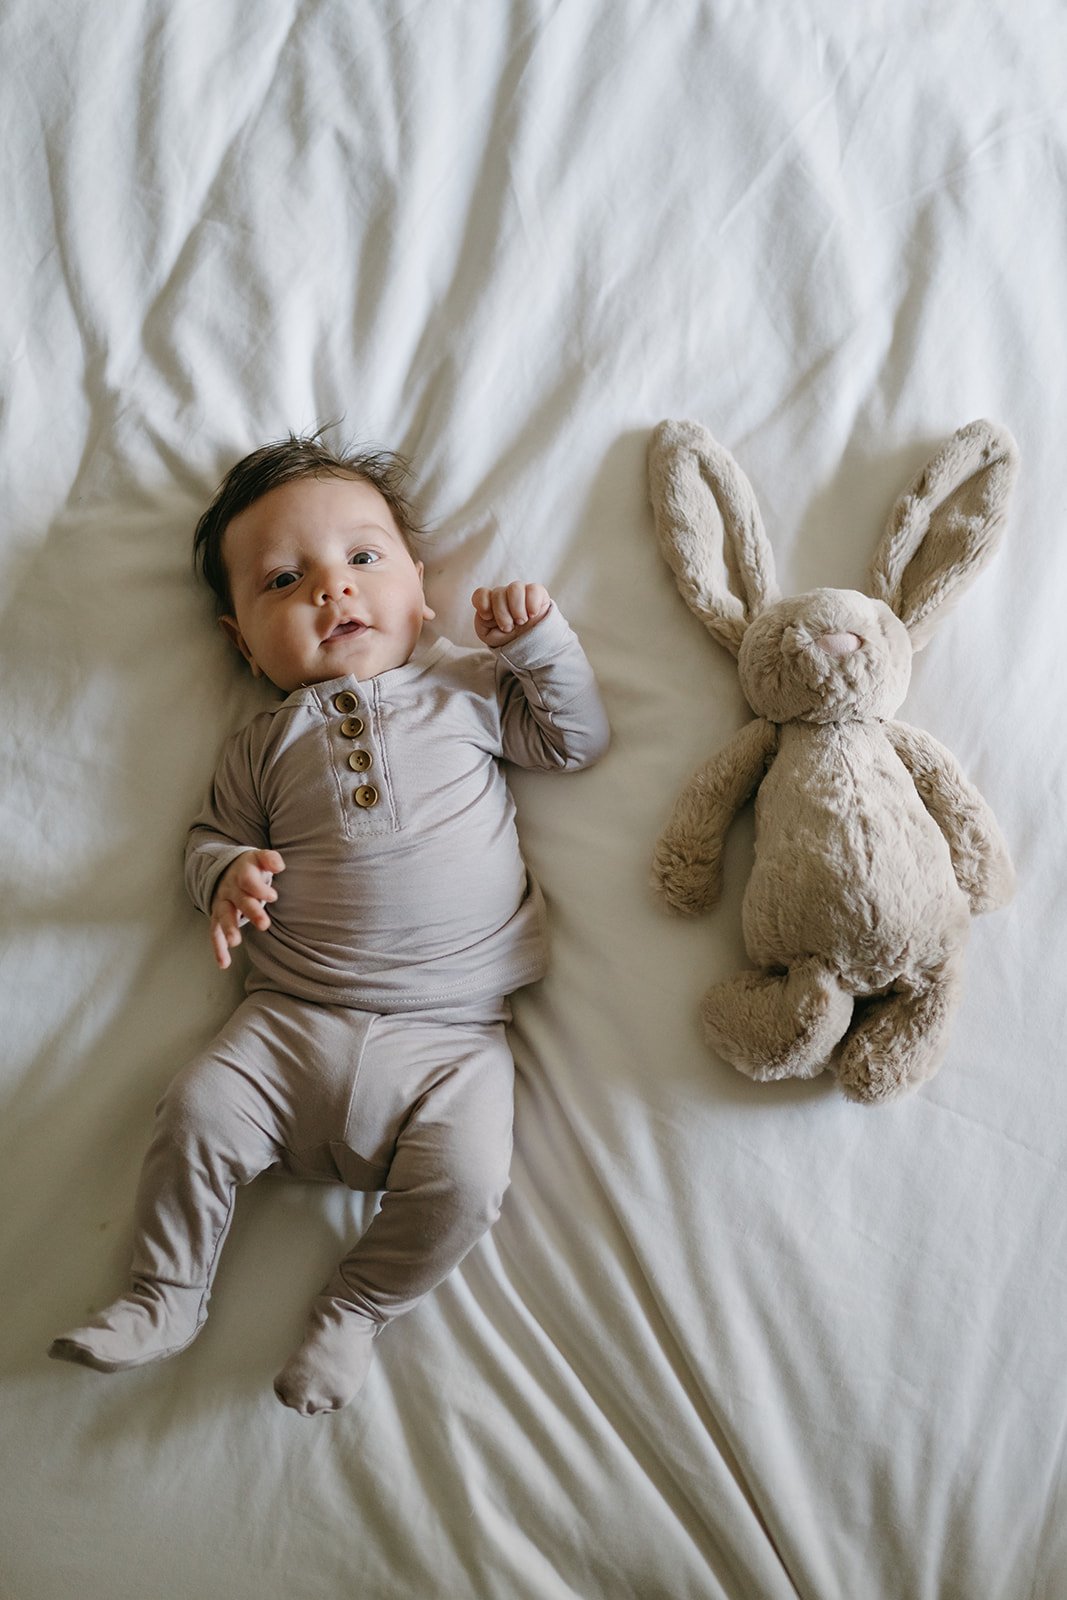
237 639
427 614
710 530
945 526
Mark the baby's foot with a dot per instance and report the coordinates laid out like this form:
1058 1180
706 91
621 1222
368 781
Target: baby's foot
329 1368
153 1321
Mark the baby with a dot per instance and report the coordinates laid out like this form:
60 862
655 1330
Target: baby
369 812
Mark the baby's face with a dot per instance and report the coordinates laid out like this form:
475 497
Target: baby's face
323 584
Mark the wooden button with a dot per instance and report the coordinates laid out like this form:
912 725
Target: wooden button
352 727
345 701
359 760
366 795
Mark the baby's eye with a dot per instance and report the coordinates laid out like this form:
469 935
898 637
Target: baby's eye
282 580
362 558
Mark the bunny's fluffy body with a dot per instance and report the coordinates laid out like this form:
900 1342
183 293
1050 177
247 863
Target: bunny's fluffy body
872 849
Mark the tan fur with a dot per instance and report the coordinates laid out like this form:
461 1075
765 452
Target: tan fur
872 849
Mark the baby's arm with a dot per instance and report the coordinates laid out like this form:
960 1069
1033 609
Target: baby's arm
551 714
242 895
229 861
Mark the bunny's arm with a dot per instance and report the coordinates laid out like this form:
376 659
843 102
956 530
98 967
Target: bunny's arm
979 855
687 866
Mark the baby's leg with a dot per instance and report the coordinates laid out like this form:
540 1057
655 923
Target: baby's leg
216 1128
432 1111
153 1321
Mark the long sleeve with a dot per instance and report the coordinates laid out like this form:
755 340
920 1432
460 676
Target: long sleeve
230 822
551 713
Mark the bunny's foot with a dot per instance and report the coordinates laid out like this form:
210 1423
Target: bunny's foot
899 1039
778 1025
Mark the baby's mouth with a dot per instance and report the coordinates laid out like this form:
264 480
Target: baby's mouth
345 630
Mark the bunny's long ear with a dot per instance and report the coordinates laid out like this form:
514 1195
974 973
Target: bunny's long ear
710 530
945 526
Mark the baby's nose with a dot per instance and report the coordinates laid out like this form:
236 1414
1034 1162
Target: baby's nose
332 585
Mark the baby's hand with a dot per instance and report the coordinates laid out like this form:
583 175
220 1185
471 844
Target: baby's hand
241 895
501 615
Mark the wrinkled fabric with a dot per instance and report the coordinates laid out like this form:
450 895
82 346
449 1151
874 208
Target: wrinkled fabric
727 1339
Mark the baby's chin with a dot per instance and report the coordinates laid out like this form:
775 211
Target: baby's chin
359 654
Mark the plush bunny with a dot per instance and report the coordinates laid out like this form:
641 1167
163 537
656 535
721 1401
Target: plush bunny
872 849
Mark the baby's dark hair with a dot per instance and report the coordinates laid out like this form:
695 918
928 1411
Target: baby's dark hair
286 461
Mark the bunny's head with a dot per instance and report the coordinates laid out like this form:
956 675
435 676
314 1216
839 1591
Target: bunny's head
834 654
830 656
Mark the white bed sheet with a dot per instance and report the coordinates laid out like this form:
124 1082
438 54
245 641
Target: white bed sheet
726 1340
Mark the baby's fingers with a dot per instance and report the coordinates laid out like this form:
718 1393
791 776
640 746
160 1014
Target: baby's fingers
511 606
492 608
509 610
220 944
252 909
225 932
519 604
251 883
537 601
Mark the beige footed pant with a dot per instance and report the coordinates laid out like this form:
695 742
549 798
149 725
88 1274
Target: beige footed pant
418 1105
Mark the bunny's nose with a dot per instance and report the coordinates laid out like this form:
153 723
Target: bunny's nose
839 644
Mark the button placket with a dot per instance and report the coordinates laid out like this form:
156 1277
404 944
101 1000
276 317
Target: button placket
360 759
